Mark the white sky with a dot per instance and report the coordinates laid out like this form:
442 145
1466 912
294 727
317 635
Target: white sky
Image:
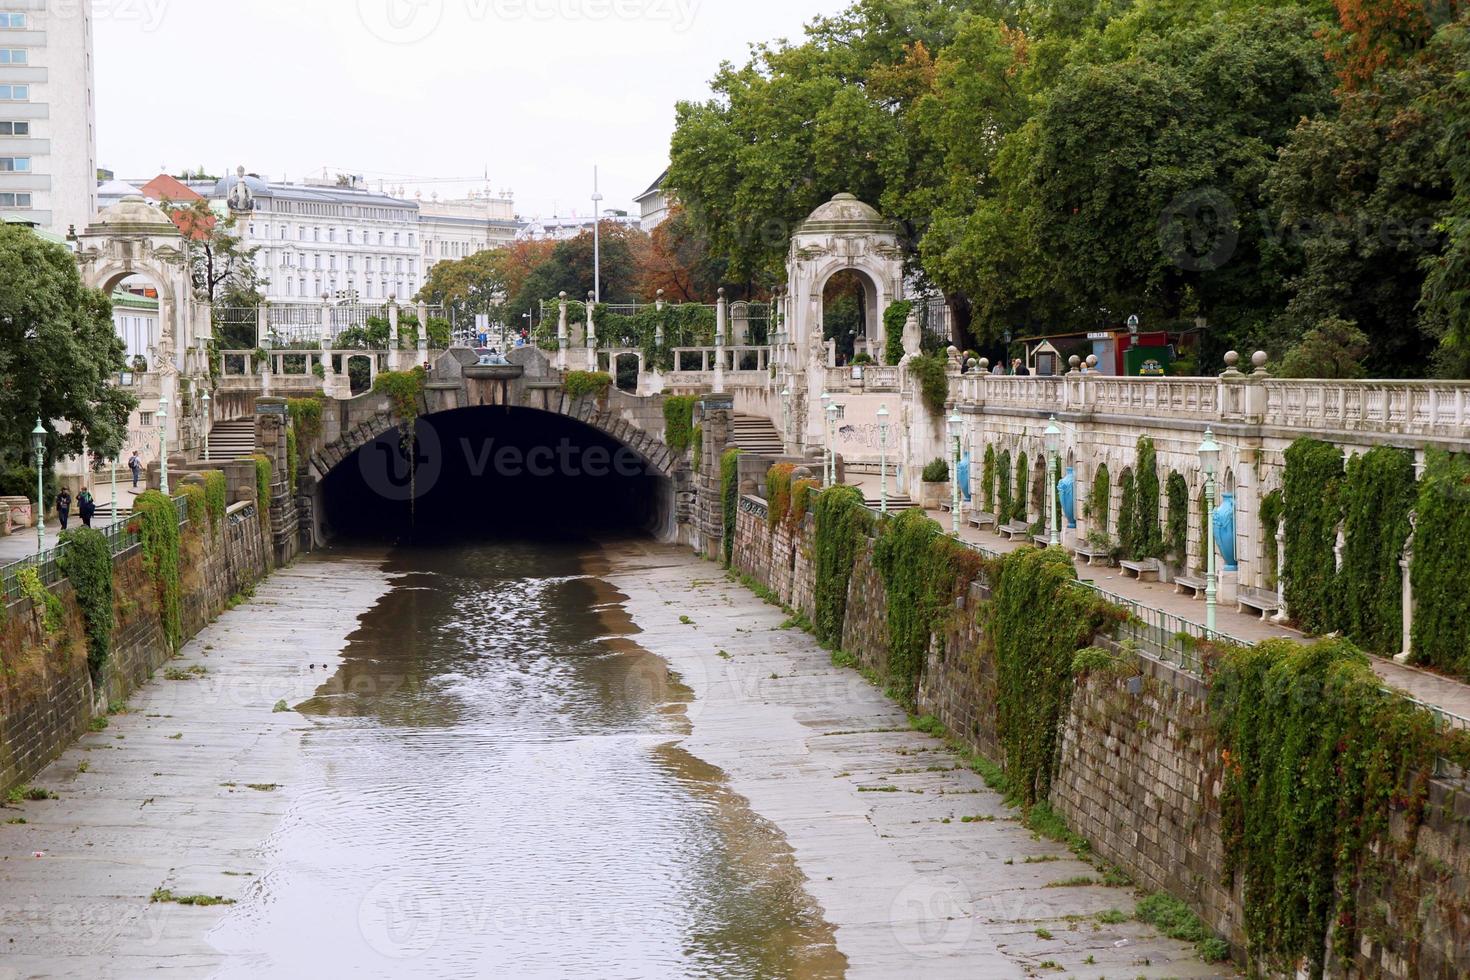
537 91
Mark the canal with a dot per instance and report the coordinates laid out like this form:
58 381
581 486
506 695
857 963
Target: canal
492 784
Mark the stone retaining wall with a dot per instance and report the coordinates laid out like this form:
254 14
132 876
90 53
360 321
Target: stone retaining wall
48 695
1139 774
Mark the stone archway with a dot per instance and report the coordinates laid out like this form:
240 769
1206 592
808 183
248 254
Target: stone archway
843 234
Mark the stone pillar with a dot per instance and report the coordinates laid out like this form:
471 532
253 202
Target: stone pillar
262 323
592 336
561 333
1406 564
326 321
1281 614
912 336
722 311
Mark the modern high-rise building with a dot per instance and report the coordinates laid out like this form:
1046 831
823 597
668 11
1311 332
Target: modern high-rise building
48 138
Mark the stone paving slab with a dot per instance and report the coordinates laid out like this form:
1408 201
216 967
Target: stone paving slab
862 800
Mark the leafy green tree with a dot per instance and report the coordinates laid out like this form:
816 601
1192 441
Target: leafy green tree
59 353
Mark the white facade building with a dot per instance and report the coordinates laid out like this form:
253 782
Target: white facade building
565 229
48 141
457 229
324 238
653 205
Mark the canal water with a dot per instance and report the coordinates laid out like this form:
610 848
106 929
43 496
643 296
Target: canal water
492 786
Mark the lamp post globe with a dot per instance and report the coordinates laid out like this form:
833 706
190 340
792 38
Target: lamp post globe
883 416
162 415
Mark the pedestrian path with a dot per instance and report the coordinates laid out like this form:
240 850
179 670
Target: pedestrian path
1433 690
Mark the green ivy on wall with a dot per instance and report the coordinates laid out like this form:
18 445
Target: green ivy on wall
1100 500
403 389
923 572
196 504
306 417
87 564
158 525
778 494
730 498
801 503
1022 491
1377 494
1313 486
292 460
1317 755
842 521
1441 544
586 384
1003 487
988 480
1204 531
46 602
1148 541
932 374
698 447
264 479
1036 621
894 319
1273 505
216 494
679 421
1176 538
1128 515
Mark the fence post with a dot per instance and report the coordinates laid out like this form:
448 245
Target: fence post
722 312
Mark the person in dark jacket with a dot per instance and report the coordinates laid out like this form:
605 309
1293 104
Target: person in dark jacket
86 506
63 507
136 466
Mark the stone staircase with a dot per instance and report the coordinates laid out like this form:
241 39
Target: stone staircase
896 501
232 440
753 434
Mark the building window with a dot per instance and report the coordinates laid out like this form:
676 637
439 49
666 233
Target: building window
15 128
15 165
380 238
351 264
12 56
145 419
12 22
15 93
316 234
15 200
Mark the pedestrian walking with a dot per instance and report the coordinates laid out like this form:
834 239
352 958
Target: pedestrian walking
87 507
136 465
63 507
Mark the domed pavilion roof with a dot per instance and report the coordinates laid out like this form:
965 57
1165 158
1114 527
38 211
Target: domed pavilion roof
845 214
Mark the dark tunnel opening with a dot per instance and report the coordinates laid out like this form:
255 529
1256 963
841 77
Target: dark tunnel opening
495 473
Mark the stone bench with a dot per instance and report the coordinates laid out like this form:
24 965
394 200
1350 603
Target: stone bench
1140 568
1195 584
979 520
1014 530
1264 602
1089 551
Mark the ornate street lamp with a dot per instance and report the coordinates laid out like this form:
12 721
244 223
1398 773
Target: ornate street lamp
883 460
956 430
38 447
1053 447
162 417
827 449
207 421
832 413
1209 458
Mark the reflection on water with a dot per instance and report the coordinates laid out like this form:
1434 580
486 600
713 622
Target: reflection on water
493 787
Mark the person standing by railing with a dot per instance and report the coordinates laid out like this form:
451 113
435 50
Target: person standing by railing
63 507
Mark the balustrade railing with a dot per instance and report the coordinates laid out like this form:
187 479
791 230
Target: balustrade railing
1425 408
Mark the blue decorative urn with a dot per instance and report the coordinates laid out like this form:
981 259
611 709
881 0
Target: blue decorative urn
1223 522
964 475
1067 493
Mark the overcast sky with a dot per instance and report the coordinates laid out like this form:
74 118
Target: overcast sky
535 91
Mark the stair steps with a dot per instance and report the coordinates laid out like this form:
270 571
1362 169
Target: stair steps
232 440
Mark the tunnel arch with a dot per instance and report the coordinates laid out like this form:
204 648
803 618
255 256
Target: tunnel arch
486 467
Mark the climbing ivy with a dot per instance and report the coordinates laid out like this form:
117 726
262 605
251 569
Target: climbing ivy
196 505
586 384
1317 756
1003 485
87 563
403 389
1313 509
842 522
730 496
292 460
987 475
1099 501
1022 491
801 497
679 421
1442 542
1272 507
1036 621
778 494
932 375
1176 536
1148 542
216 488
158 525
698 447
923 571
894 319
46 602
1378 494
264 479
306 417
1128 515
1204 532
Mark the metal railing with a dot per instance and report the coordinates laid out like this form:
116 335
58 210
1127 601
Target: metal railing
48 563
